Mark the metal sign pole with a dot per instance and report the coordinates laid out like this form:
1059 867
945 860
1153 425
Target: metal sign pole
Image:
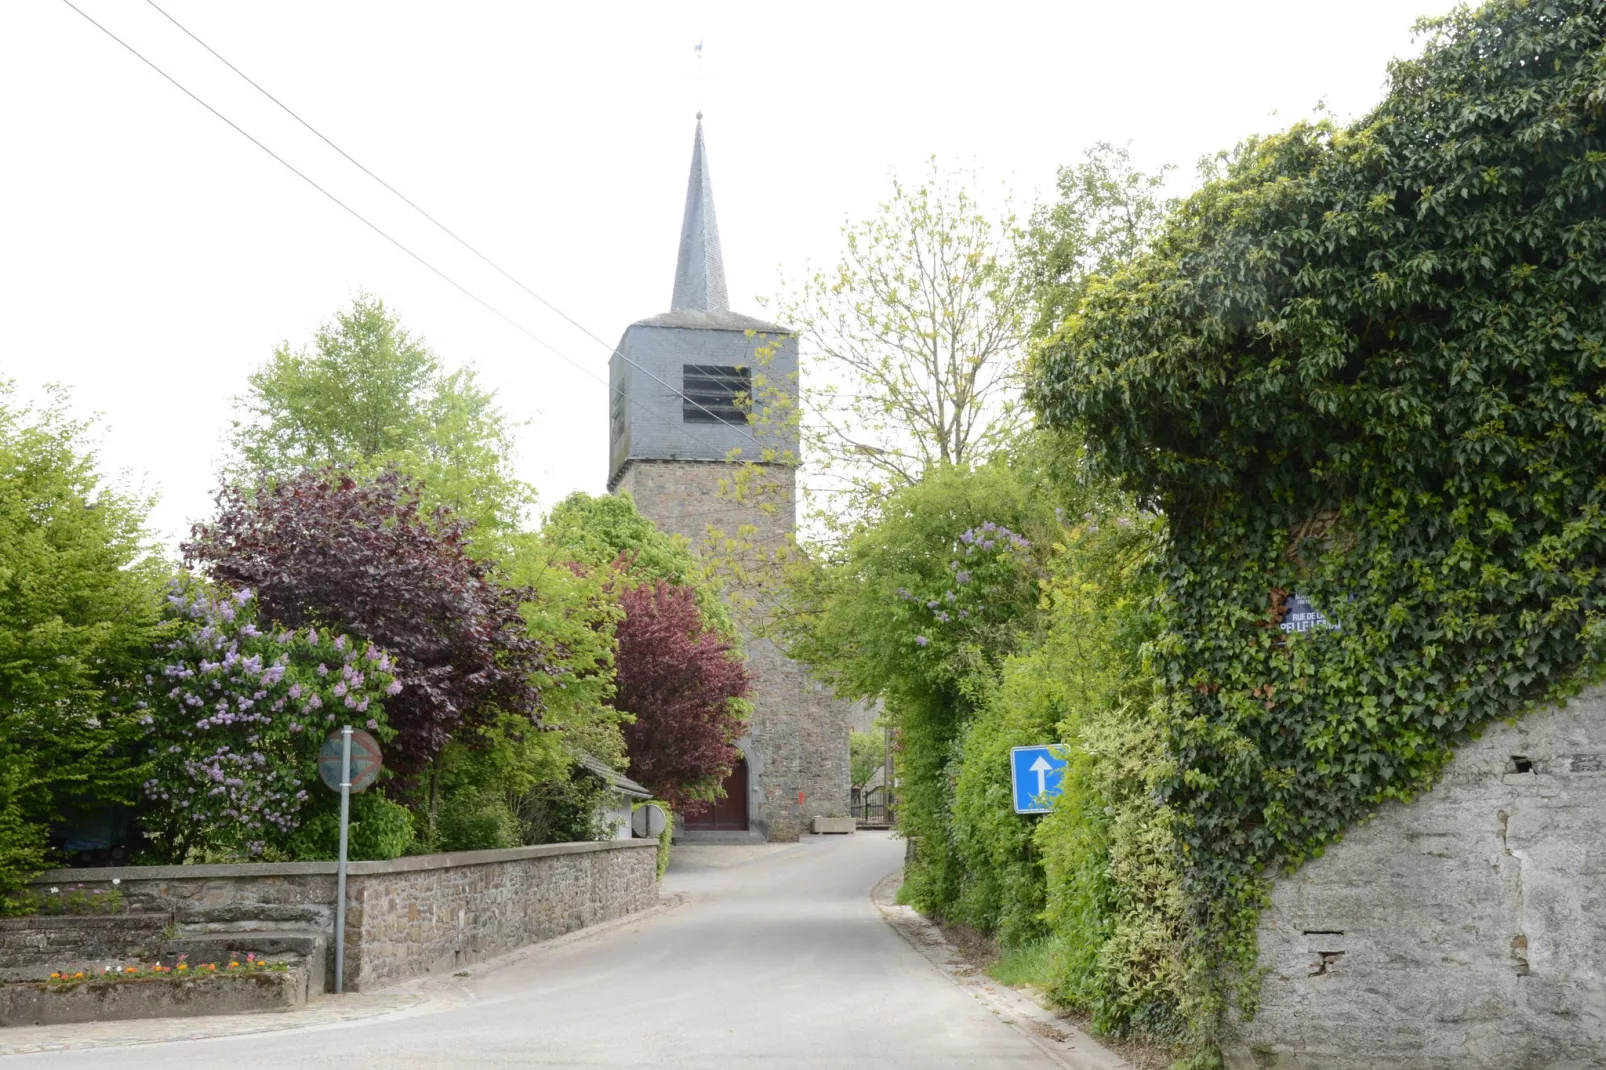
340 879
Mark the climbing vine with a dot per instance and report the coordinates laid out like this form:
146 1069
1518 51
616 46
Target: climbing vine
1362 373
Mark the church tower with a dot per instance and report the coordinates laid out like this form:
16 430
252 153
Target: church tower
682 388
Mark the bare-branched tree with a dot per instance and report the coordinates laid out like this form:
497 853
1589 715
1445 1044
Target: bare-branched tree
912 345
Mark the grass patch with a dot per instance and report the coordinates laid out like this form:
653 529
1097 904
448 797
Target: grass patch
1028 964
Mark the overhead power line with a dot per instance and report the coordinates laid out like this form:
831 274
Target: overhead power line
493 265
365 221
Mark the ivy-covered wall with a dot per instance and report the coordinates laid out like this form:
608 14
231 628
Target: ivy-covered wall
1364 366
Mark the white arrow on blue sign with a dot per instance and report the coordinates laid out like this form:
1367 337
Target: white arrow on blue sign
1038 775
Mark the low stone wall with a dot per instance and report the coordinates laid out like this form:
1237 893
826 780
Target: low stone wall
404 918
33 946
117 1001
1465 930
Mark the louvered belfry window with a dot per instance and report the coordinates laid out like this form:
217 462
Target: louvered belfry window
716 393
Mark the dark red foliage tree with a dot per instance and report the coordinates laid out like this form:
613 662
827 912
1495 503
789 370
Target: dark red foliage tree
326 549
682 681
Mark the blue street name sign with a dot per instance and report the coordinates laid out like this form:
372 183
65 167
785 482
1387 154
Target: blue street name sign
1300 616
1038 775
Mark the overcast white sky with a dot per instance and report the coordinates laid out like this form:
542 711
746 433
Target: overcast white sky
150 257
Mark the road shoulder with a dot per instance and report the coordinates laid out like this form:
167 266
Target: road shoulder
1060 1039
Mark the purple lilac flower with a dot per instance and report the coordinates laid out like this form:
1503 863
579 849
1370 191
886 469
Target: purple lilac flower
921 640
393 688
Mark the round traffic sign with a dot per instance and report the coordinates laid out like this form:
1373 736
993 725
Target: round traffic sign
648 821
366 760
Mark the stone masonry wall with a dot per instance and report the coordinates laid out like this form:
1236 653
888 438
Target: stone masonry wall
1464 930
405 917
31 947
799 733
414 920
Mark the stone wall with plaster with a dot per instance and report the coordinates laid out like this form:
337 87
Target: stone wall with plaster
1466 929
405 917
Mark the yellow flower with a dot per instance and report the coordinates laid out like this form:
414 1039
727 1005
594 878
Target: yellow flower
234 965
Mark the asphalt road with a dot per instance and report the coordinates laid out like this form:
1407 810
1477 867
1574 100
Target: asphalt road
781 961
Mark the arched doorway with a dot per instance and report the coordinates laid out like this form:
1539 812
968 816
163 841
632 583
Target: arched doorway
728 814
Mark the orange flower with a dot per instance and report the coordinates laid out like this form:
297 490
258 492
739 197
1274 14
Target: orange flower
56 976
234 965
183 966
131 969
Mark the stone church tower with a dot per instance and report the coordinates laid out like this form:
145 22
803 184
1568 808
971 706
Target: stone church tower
677 417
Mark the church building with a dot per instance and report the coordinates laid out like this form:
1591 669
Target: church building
681 387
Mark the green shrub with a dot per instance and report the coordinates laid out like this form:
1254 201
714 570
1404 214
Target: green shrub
379 829
473 819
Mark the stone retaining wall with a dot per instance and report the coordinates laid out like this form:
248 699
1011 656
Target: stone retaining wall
1463 931
404 918
33 946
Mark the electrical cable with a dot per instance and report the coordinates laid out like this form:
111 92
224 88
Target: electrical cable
493 265
382 233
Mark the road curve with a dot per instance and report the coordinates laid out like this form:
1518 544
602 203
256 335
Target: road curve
778 962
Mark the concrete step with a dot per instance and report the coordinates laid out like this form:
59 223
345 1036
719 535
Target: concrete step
719 838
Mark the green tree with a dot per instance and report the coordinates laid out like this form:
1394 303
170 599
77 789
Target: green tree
368 394
912 344
79 613
920 609
867 752
600 531
1105 214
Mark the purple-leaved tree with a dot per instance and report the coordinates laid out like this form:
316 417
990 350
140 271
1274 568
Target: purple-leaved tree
326 549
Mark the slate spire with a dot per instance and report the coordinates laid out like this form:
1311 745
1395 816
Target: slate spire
700 269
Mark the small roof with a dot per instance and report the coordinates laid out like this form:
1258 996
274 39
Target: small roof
610 776
721 320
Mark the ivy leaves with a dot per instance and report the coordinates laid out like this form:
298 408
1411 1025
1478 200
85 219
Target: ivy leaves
1401 323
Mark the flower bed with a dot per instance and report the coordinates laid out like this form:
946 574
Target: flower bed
117 993
235 967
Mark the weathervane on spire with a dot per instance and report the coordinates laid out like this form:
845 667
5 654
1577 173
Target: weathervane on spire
699 78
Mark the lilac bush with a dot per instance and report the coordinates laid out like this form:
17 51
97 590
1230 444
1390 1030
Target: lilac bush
989 579
234 718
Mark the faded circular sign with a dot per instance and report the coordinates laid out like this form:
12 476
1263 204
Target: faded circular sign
648 821
366 760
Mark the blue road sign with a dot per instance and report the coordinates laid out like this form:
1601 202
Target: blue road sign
1038 775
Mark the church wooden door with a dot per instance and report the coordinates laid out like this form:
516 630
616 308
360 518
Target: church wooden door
728 814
